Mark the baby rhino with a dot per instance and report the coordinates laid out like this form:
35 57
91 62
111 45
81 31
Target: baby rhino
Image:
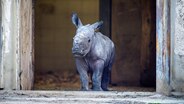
93 53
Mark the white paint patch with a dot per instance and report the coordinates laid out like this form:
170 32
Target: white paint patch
6 23
179 29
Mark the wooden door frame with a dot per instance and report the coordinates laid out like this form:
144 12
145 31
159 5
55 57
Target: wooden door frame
17 61
162 47
163 57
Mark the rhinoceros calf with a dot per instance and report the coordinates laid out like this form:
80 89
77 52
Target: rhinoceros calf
93 53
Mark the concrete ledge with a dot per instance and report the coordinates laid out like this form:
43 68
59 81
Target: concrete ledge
81 97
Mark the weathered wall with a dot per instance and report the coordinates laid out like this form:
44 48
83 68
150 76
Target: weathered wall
0 46
10 57
54 31
16 69
26 44
133 32
170 46
163 46
177 66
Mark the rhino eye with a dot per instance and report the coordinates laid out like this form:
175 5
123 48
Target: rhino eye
89 40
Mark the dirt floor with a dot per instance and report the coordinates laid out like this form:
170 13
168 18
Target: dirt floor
56 81
71 82
66 88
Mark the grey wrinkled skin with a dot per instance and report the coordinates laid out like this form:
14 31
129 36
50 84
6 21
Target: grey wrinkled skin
93 53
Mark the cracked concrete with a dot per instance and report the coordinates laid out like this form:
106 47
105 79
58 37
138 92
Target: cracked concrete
85 97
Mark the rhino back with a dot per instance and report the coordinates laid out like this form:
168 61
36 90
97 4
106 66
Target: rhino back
103 47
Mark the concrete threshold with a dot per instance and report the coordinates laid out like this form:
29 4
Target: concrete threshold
85 97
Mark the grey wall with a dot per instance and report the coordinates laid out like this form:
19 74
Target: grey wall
0 45
177 43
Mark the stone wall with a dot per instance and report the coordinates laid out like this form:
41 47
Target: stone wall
177 65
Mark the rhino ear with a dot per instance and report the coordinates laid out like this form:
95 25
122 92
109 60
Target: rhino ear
76 21
97 25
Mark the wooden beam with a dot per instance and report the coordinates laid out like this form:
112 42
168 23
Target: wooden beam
10 58
146 33
148 43
105 16
26 44
163 47
17 45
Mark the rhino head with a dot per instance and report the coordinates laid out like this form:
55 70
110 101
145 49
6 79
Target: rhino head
84 37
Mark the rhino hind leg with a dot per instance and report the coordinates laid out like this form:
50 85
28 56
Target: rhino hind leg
107 72
105 79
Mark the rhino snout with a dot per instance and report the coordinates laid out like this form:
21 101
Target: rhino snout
76 50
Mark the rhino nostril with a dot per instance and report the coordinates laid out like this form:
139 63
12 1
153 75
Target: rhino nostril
82 51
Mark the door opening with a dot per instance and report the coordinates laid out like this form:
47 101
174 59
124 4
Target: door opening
133 32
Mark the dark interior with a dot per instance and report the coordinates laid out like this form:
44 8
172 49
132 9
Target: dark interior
132 25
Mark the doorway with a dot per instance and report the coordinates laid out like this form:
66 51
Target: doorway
133 32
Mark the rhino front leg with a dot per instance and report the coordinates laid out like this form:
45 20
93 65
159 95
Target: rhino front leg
97 75
82 68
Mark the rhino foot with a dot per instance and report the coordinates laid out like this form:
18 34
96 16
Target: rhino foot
105 89
97 89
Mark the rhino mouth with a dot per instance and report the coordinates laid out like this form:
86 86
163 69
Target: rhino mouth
78 54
